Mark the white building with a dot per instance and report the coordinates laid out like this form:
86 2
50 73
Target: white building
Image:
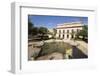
68 30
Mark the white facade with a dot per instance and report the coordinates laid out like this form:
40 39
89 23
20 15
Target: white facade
68 30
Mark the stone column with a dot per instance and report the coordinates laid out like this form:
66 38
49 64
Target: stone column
65 37
61 35
69 36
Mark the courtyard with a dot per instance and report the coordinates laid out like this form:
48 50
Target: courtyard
57 49
57 37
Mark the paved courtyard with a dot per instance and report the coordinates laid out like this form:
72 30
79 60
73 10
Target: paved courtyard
80 49
53 56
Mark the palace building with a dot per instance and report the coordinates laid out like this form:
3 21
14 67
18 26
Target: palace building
68 30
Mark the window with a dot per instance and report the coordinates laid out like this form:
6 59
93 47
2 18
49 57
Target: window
59 31
72 36
72 30
67 31
59 35
67 36
77 30
63 36
63 31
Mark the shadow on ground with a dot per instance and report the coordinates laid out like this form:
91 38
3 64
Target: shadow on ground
77 53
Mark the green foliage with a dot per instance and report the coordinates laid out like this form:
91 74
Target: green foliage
83 33
30 27
35 31
43 30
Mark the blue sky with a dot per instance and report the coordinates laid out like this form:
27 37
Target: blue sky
52 21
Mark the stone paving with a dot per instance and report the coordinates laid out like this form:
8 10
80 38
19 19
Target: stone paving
34 48
52 56
83 46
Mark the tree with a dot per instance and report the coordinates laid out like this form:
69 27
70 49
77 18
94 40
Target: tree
30 27
43 30
54 32
35 31
83 33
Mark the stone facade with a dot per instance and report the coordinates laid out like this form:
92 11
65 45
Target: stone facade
68 30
